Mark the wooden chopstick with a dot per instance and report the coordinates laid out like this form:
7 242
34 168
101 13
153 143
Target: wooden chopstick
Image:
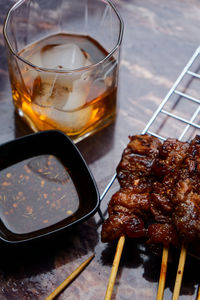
116 261
180 271
69 279
163 272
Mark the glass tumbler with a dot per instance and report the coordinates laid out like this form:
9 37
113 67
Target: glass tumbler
63 58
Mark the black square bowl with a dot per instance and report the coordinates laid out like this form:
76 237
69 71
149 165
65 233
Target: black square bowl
54 143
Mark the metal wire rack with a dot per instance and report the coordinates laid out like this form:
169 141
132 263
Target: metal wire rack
193 120
179 111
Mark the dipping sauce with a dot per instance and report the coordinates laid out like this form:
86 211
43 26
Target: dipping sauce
36 193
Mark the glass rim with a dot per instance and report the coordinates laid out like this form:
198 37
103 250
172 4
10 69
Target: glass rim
64 71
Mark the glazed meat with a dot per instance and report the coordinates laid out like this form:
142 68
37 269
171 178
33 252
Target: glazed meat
128 206
122 224
162 234
171 155
130 202
159 196
186 201
134 169
166 169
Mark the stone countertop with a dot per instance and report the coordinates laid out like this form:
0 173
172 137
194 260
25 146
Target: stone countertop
159 38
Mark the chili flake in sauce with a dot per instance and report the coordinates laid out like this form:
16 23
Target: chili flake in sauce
36 193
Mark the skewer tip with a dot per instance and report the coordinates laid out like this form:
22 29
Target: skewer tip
70 278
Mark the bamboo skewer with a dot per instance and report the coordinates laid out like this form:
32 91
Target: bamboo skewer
163 272
69 279
115 266
179 274
180 271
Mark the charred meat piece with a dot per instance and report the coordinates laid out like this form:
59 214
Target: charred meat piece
133 203
186 199
145 145
137 160
162 234
166 169
161 206
121 224
128 206
192 162
172 153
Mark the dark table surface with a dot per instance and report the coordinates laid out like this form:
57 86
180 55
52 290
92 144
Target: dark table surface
159 38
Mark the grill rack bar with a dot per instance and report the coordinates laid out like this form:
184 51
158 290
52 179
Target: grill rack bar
174 90
160 110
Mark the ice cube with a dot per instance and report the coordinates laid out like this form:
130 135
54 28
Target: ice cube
68 90
30 74
66 56
69 121
63 57
61 95
77 96
72 121
35 59
63 107
51 93
58 93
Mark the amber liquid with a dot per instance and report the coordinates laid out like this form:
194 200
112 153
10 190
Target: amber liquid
99 108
